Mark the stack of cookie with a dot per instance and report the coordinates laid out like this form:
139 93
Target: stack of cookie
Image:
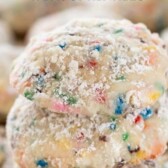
92 94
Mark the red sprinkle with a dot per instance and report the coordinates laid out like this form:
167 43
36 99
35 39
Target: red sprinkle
92 63
80 136
137 119
100 96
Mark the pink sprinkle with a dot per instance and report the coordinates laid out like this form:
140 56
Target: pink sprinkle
100 96
94 42
137 27
60 107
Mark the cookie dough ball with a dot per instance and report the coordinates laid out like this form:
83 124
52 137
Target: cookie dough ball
20 14
40 138
7 95
93 66
153 13
5 33
51 22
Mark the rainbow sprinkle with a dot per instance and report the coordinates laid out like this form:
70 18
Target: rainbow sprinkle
125 136
98 48
62 45
120 106
42 163
29 95
146 113
113 126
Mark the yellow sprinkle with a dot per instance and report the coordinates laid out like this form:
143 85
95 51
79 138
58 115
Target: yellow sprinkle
149 48
138 157
72 130
154 96
64 143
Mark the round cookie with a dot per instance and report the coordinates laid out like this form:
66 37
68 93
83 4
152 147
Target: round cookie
93 66
21 14
7 95
43 139
51 22
153 13
5 33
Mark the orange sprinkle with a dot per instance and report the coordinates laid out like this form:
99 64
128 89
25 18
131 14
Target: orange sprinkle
157 149
152 58
27 83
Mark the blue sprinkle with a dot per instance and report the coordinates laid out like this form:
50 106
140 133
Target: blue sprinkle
112 126
62 45
120 106
98 48
40 81
146 113
42 163
129 148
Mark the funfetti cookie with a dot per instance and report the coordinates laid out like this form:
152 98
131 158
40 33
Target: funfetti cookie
5 33
93 66
7 94
153 13
21 14
56 20
40 138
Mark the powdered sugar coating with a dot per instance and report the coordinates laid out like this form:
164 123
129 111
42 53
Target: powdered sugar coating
39 137
84 66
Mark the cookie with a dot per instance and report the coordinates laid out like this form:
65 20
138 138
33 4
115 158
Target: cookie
93 66
5 33
7 94
40 138
21 14
153 13
53 21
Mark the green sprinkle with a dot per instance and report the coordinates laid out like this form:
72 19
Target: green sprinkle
66 97
113 118
71 100
125 136
118 31
160 87
57 77
29 95
120 78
